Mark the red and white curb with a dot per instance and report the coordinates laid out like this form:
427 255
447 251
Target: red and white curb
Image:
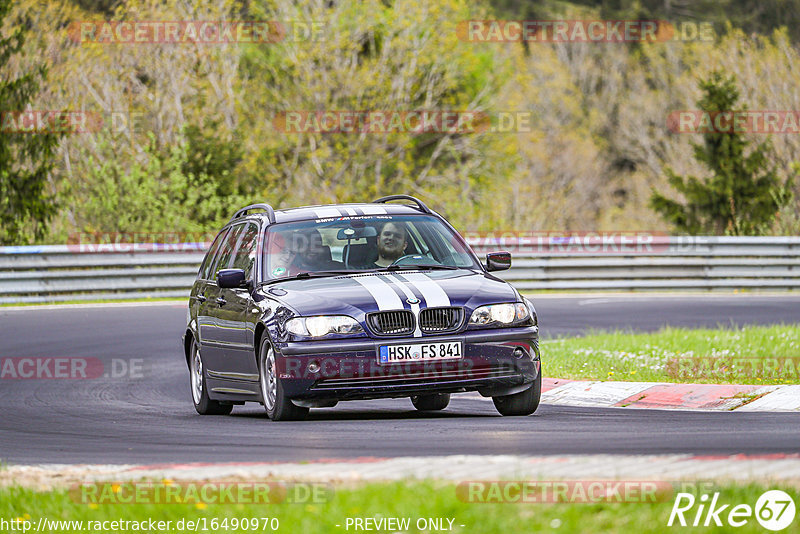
714 397
774 467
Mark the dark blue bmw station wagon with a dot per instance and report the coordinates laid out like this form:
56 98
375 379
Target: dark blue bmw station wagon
302 308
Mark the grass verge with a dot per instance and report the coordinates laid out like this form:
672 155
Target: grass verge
412 500
762 355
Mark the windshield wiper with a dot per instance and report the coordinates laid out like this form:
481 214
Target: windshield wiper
312 274
323 274
421 267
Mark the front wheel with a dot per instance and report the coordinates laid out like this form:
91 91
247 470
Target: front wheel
425 403
522 403
278 407
202 403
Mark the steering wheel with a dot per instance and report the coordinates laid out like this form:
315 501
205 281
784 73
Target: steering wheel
419 260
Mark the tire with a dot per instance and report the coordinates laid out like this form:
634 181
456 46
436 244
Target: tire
278 407
522 403
425 403
197 379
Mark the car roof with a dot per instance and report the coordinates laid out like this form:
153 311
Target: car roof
305 213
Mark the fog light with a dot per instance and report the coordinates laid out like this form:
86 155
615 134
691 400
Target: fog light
313 367
519 353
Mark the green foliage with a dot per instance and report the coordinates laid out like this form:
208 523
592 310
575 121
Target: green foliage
744 193
651 357
106 7
372 56
485 511
26 159
207 140
208 153
166 192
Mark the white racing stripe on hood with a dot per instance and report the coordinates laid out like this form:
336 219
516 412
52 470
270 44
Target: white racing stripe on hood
385 297
399 282
431 291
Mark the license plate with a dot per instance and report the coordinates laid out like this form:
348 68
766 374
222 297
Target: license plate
418 352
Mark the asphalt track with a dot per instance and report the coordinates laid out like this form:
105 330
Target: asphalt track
150 419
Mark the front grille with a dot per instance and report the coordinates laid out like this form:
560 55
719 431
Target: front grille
392 323
432 320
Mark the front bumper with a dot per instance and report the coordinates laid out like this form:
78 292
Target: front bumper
495 362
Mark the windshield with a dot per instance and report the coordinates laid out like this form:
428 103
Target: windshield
363 243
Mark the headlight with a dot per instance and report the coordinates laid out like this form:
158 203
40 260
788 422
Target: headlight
322 325
500 314
532 311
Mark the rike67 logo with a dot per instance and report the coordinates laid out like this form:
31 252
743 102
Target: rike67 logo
774 510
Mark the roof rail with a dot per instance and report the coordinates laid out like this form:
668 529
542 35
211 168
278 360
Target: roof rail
420 205
266 207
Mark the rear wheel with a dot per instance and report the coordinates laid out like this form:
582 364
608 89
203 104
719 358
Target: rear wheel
522 403
202 403
278 407
427 403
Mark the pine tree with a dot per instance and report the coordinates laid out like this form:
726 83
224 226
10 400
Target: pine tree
743 194
26 159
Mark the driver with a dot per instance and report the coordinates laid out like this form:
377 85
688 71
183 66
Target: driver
315 256
301 252
392 243
283 251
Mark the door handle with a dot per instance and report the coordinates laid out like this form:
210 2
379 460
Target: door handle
221 301
200 298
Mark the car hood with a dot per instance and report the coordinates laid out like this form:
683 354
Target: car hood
359 294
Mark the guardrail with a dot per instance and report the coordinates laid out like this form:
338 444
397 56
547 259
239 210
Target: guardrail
58 273
88 272
654 263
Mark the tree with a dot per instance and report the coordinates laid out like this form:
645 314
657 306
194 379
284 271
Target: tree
392 57
744 193
26 159
169 190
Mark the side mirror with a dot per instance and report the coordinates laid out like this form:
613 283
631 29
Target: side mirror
231 278
498 261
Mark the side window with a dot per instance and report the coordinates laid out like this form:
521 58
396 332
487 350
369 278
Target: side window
204 270
245 257
223 259
446 249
